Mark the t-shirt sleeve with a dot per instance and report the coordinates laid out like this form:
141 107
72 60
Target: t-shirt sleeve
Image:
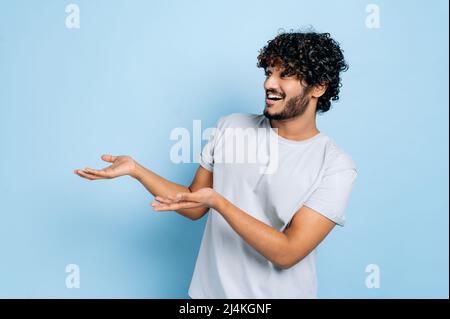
207 153
332 195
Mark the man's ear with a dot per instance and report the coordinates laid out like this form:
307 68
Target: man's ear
319 90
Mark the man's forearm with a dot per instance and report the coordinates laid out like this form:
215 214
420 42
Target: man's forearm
268 241
159 186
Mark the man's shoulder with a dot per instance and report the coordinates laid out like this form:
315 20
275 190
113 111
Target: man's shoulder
337 158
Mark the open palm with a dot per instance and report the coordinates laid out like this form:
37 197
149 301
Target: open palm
204 197
121 165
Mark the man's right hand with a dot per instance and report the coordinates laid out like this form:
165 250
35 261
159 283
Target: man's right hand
155 184
121 165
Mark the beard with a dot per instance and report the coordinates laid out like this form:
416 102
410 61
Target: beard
295 106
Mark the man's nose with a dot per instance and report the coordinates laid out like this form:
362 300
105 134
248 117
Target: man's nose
271 83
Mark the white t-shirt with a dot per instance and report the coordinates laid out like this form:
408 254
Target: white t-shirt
313 172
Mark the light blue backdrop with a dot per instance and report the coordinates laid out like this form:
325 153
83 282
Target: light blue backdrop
135 70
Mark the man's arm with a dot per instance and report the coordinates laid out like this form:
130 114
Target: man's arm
161 187
284 249
124 165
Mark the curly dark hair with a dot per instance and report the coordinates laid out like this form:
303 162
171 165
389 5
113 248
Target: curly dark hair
312 57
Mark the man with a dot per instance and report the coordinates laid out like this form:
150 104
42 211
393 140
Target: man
263 229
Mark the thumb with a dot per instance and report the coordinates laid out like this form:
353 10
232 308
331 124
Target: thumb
108 158
185 197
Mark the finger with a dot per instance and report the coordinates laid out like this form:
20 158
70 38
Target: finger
87 175
169 199
173 198
164 200
192 197
155 203
179 197
92 171
108 158
176 206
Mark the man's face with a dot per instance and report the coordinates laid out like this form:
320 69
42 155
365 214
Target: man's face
286 96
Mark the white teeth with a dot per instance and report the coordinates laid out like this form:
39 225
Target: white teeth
270 96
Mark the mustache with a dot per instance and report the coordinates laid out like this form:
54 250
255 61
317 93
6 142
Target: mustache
270 91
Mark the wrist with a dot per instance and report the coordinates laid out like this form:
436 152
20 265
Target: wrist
136 171
220 203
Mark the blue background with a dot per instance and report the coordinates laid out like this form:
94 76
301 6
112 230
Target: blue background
136 70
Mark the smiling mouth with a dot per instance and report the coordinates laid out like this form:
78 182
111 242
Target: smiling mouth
273 97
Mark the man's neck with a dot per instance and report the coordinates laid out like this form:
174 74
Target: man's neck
298 129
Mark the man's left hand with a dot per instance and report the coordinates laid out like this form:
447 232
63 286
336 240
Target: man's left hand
204 197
